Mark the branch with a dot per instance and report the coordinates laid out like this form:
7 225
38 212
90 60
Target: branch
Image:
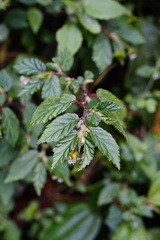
102 76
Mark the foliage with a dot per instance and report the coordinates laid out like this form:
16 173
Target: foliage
79 123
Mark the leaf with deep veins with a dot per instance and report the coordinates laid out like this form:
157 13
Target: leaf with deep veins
64 147
106 144
52 107
59 128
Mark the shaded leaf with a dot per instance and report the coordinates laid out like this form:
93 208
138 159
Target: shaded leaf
35 18
114 217
10 124
22 166
91 24
51 108
5 80
39 177
108 193
154 190
93 119
62 171
59 128
107 106
32 86
102 52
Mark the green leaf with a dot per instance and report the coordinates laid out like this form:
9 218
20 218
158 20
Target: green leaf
69 37
39 178
51 108
22 166
127 231
91 24
62 171
35 18
93 119
114 119
145 71
126 30
44 3
5 80
154 190
64 147
30 66
51 87
7 153
104 9
107 106
102 52
6 190
11 231
114 217
154 234
4 32
108 193
77 223
65 60
10 124
16 18
59 128
106 144
32 86
88 153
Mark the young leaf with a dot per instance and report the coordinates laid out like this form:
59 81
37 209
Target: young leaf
59 128
5 80
64 147
39 178
107 106
35 18
51 108
102 52
88 153
106 144
30 66
69 37
114 119
104 9
93 119
22 166
32 86
10 124
51 87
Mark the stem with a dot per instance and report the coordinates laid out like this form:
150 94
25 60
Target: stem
101 77
148 86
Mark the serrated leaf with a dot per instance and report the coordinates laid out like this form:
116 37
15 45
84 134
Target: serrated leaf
107 106
93 119
51 108
10 124
114 119
64 147
59 128
77 223
39 177
30 66
69 37
65 60
5 80
62 171
104 9
35 18
32 86
22 166
88 153
102 52
106 144
51 87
